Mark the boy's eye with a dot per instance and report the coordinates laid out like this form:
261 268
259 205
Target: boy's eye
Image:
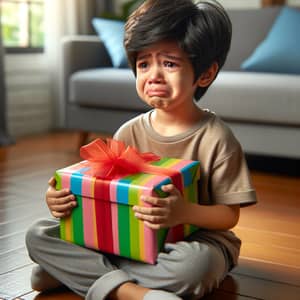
142 65
169 64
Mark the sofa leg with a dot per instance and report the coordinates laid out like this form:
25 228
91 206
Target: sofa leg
83 138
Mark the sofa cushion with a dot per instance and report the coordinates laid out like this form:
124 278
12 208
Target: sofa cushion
280 51
249 28
107 88
111 33
255 97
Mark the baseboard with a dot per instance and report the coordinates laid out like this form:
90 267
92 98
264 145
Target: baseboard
276 165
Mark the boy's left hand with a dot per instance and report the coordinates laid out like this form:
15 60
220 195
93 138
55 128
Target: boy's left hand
165 212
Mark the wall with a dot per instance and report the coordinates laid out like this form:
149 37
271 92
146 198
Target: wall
29 105
240 3
294 2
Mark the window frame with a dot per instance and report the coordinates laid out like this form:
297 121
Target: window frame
29 49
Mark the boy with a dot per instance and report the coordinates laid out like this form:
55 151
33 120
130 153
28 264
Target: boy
175 49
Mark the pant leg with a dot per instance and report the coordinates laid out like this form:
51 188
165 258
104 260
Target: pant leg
76 267
186 269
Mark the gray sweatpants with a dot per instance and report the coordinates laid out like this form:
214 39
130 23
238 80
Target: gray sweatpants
185 268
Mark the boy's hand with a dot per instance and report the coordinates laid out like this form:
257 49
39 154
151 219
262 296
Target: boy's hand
60 203
166 212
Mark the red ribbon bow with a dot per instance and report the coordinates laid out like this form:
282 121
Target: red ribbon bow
113 160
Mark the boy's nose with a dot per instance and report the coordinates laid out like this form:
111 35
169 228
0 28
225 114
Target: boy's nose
156 75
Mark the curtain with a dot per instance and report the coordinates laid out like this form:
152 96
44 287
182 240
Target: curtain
63 17
4 138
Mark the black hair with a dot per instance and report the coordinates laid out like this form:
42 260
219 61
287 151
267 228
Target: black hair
202 30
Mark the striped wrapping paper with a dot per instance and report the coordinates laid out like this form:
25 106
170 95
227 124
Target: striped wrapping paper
104 219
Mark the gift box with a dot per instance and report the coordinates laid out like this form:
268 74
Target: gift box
104 219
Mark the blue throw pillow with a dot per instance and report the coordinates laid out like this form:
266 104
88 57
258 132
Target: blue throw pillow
280 51
111 33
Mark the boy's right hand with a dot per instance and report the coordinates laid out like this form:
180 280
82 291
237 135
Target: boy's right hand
60 203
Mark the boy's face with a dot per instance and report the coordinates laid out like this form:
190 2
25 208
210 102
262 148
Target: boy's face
165 77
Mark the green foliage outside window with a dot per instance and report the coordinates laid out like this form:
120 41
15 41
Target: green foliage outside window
126 9
37 25
22 24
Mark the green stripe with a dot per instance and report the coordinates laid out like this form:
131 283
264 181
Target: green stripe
77 221
165 162
161 237
190 191
134 235
123 226
193 196
134 194
62 228
58 181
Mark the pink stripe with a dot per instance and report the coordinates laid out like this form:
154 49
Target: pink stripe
65 180
87 207
75 167
114 215
181 164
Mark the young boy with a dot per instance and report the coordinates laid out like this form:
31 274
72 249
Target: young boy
175 49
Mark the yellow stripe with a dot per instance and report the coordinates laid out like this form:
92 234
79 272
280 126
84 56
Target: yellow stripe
69 229
170 162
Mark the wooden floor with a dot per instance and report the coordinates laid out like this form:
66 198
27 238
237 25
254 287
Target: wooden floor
270 257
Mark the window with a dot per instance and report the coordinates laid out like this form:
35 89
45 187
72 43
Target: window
22 25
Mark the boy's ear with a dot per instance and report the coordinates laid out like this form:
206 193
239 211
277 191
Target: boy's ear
208 76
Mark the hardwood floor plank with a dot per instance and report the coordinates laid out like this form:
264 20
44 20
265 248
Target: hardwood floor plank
224 295
272 238
9 215
258 288
57 295
24 221
12 241
15 283
13 260
268 271
280 255
268 222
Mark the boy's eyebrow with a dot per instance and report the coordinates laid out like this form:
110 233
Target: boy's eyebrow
166 54
174 57
143 56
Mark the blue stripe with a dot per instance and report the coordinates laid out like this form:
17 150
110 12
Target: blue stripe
123 191
188 173
76 183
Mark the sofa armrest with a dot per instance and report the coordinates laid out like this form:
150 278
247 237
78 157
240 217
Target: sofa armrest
79 52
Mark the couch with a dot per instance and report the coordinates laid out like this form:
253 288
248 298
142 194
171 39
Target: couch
263 109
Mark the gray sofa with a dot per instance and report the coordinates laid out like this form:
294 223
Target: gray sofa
263 109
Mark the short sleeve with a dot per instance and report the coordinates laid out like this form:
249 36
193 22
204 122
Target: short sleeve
230 181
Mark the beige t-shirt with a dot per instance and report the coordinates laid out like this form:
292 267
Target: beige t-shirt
224 176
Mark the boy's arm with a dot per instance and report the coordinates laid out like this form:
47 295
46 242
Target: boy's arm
174 210
215 217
